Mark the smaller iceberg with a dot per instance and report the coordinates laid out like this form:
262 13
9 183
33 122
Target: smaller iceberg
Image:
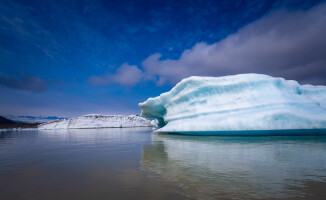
244 104
98 121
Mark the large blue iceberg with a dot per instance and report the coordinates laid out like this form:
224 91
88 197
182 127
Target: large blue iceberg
244 104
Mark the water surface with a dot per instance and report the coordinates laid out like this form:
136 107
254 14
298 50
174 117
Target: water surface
133 163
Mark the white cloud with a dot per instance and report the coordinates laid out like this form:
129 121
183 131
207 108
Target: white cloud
291 44
127 75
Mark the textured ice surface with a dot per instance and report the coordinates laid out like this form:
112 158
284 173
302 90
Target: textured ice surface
244 102
98 121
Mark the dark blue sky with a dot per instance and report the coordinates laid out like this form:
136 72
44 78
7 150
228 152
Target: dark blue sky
69 58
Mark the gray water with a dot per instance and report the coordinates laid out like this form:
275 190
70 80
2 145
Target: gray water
133 163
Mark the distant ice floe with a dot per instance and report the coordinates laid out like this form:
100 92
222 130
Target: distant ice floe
33 119
98 121
17 129
244 104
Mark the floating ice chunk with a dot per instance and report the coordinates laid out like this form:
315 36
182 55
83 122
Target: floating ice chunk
98 121
244 102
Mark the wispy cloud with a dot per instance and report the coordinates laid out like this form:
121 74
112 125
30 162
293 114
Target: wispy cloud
20 24
24 82
284 43
127 75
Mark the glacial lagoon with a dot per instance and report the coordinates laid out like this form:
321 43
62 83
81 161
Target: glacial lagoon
134 163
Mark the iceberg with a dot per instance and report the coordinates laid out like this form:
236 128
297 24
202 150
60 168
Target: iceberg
244 104
98 121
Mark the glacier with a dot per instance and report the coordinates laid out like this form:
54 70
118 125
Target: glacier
98 121
243 104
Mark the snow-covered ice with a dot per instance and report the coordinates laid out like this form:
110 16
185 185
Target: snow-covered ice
98 121
239 104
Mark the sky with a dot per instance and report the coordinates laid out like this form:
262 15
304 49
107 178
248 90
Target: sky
70 58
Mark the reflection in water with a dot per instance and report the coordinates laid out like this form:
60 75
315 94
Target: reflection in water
67 148
94 136
136 164
238 167
78 164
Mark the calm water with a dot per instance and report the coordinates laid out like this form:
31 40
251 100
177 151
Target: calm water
136 164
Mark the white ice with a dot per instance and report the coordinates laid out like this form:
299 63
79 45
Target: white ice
243 102
98 121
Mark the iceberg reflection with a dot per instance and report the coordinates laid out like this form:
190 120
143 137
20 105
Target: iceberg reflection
97 136
238 167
